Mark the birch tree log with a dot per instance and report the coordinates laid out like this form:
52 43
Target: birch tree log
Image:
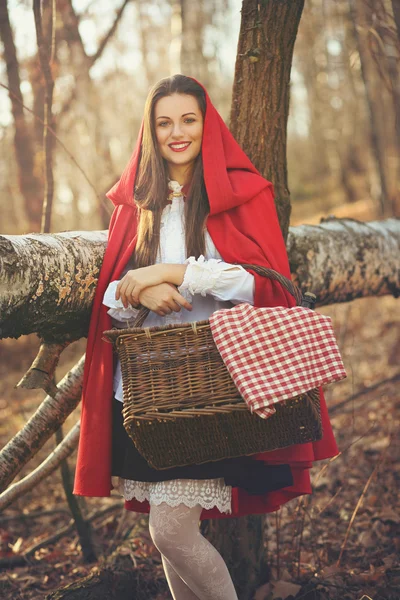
47 282
48 466
41 426
343 259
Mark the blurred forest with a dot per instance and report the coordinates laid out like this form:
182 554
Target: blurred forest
343 154
343 133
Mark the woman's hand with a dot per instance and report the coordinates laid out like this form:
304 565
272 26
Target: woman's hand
135 281
163 299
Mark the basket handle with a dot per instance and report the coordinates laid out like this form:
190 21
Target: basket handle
264 271
284 281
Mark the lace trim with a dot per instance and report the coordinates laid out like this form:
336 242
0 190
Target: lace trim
201 276
208 493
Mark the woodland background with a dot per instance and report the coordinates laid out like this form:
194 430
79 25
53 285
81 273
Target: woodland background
343 156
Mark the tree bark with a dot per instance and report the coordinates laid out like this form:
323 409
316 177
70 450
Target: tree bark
340 259
241 542
396 14
47 282
260 102
52 278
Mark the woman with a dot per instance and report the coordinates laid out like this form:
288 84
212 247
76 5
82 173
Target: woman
188 207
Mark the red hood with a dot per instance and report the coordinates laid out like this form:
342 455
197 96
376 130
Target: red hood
230 178
244 228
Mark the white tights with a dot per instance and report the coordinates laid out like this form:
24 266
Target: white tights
193 567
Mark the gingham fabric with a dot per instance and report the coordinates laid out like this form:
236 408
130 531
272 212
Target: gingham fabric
274 354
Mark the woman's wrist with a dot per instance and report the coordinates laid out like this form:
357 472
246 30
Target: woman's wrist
172 273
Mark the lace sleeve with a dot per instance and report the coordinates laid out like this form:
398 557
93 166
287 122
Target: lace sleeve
117 311
222 280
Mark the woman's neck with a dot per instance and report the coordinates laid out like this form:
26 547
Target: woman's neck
181 174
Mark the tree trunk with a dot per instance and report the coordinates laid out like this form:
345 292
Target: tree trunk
30 186
260 102
308 48
44 30
241 542
380 105
194 20
396 14
339 260
86 97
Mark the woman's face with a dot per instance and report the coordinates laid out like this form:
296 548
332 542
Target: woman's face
178 124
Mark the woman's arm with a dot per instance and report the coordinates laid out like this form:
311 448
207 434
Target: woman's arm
213 277
223 281
135 281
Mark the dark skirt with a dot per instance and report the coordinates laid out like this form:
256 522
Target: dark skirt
254 476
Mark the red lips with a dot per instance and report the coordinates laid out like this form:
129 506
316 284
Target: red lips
179 146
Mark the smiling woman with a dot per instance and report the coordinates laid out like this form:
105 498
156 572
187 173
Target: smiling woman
189 209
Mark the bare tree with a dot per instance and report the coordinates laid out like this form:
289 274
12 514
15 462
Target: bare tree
29 183
46 52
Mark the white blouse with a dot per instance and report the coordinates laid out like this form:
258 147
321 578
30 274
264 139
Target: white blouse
209 284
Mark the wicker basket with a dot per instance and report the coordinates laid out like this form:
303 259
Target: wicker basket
181 406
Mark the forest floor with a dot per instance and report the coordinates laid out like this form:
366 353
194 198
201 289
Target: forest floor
341 542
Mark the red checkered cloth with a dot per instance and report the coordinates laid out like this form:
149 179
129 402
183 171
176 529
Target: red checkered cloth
274 354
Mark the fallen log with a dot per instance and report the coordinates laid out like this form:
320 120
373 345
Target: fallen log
47 281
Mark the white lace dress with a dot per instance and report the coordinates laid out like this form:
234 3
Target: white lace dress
209 284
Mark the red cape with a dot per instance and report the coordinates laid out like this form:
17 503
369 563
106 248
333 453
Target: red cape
244 227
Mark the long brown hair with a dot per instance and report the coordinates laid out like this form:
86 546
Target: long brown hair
151 185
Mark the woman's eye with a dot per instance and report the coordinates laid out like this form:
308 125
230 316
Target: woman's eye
163 123
189 120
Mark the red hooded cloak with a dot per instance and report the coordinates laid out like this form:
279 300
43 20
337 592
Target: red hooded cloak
244 227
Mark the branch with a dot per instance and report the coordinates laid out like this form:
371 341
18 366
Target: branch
27 557
48 466
339 405
68 529
63 146
73 36
41 372
44 422
109 34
